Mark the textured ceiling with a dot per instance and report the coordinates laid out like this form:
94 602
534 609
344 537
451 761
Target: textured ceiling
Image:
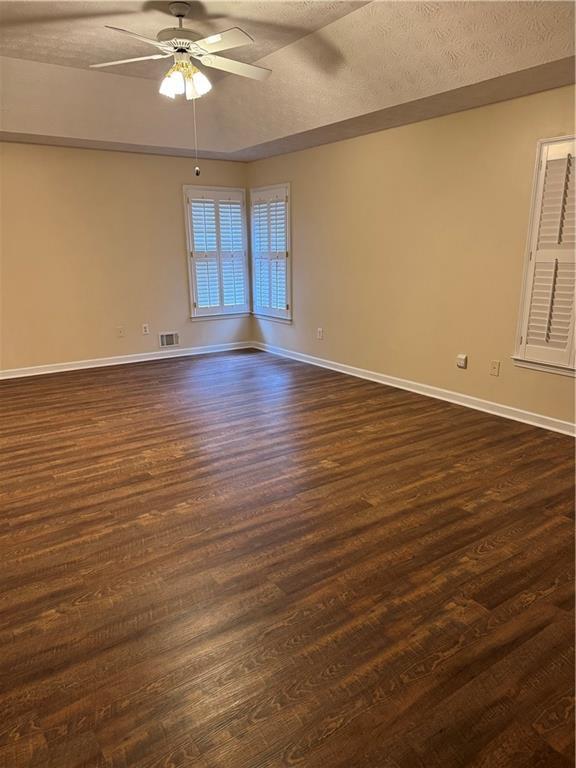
73 33
393 53
338 69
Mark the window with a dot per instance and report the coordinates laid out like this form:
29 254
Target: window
217 250
546 325
270 218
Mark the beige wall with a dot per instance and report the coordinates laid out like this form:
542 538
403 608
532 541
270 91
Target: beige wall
92 240
408 248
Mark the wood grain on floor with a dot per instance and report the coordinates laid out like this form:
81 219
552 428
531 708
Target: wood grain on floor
240 561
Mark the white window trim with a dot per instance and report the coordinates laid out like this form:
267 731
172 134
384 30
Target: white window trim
537 183
273 318
284 315
520 362
195 191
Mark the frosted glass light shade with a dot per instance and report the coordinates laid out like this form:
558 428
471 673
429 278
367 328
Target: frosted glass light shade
182 78
167 87
197 86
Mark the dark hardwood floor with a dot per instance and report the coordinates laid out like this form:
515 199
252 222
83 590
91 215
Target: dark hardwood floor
239 561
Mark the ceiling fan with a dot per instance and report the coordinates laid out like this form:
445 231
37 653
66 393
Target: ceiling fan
184 77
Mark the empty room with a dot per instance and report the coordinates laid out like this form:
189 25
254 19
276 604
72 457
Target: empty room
287 396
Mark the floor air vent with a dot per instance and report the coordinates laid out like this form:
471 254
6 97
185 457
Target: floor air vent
171 339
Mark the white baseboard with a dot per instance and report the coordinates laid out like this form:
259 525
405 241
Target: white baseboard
100 362
497 409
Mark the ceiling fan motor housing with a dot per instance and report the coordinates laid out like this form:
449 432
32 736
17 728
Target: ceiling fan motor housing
176 33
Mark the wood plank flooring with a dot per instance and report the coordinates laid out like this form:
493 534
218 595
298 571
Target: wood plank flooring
240 561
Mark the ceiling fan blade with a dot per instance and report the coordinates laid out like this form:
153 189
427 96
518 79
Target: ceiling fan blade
128 61
137 36
234 67
223 41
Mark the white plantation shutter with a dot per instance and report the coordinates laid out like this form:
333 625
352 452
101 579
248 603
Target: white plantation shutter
205 252
217 245
548 307
233 253
260 250
270 217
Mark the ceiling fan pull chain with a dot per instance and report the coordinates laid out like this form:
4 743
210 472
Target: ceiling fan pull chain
197 168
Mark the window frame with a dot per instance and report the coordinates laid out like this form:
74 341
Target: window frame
196 191
277 315
519 357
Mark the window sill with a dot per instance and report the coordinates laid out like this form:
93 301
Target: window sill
543 367
283 320
223 316
229 315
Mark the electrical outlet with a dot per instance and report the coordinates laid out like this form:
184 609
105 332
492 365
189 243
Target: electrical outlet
494 367
462 361
319 333
120 332
145 329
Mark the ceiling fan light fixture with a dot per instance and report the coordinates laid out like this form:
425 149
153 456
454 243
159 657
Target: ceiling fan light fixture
184 78
173 84
201 84
167 88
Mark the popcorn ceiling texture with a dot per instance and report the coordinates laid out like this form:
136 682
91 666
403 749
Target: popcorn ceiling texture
333 64
73 34
395 52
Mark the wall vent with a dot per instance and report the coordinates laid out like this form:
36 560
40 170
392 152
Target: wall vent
169 339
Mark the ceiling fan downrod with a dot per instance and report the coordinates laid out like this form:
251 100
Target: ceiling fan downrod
180 10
